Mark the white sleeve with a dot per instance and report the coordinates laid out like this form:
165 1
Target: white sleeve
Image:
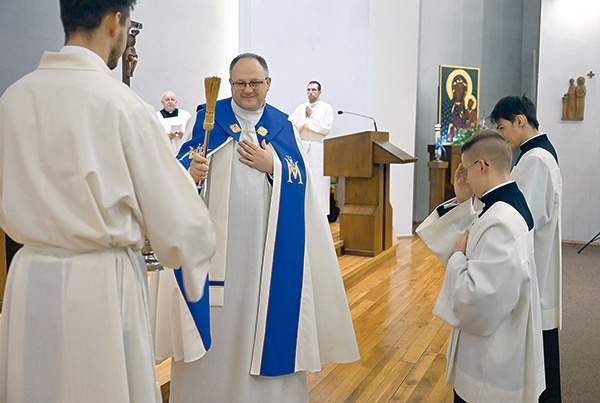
177 222
479 292
440 234
321 120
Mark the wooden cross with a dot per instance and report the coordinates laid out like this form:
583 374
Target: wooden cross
130 57
591 74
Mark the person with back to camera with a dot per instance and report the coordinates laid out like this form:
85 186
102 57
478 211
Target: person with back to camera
79 189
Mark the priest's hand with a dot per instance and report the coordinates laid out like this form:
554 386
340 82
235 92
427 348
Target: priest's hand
308 112
260 158
461 245
462 189
199 168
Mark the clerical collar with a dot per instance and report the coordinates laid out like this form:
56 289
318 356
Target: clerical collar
167 115
510 194
251 116
539 141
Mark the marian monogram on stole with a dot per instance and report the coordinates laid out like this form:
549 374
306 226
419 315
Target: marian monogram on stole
293 170
193 151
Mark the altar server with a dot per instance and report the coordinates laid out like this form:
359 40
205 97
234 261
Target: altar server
538 176
490 294
86 173
279 306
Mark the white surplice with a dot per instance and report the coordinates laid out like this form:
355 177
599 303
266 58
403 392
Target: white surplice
182 119
313 131
490 298
86 172
538 176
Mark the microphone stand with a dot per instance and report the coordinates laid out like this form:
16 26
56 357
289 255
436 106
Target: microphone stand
362 116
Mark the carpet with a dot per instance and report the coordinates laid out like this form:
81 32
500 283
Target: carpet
579 337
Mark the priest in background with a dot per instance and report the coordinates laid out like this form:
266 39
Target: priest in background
174 120
313 120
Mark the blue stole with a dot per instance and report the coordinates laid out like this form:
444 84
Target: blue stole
287 271
200 310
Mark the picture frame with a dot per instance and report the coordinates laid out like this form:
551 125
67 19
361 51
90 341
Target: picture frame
458 100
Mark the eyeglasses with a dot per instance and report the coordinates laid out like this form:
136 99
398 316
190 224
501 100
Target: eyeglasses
464 172
252 84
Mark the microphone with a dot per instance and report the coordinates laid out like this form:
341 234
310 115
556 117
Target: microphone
362 116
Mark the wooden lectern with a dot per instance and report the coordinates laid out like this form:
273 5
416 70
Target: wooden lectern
364 160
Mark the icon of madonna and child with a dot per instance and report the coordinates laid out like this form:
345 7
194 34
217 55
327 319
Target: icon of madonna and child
459 91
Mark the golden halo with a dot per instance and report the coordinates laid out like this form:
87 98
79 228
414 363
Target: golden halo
469 97
459 72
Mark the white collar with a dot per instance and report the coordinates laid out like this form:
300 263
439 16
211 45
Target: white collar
80 50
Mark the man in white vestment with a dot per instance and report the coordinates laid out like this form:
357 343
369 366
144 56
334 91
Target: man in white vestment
313 120
173 119
278 305
87 177
538 175
490 294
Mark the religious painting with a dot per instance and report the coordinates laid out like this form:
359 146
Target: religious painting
458 96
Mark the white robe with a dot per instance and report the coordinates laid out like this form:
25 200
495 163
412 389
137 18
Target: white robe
313 131
182 119
87 175
223 373
539 178
490 298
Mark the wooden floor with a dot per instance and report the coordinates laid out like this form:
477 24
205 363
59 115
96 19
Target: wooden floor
402 345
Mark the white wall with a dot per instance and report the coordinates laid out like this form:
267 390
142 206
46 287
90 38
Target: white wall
392 89
180 44
313 40
568 49
363 52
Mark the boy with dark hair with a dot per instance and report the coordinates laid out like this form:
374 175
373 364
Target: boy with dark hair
88 176
538 176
